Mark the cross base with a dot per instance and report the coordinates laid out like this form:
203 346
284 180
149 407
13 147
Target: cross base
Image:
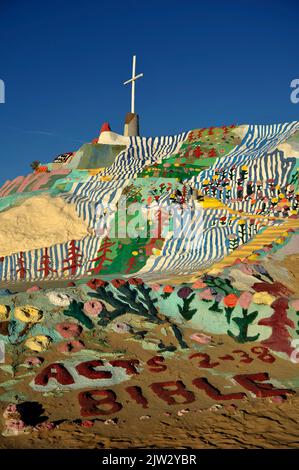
131 127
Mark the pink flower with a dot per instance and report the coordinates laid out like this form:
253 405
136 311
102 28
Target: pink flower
33 289
245 300
10 410
295 304
199 284
87 423
15 426
206 294
46 426
246 269
93 308
201 338
71 346
33 361
69 330
155 287
121 327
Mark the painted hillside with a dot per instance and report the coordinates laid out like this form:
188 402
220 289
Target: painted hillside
148 280
234 183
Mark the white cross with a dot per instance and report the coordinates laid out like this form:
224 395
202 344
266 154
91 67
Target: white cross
132 80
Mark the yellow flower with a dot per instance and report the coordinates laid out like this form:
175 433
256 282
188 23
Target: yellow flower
134 253
215 177
176 164
228 187
281 196
241 222
38 343
244 168
280 241
105 178
28 314
274 199
293 212
4 312
263 298
205 182
156 252
277 186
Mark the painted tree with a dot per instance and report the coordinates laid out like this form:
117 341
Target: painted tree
102 256
46 264
73 261
198 152
280 339
22 266
212 153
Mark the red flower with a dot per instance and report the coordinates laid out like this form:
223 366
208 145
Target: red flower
135 281
230 300
95 283
117 283
168 289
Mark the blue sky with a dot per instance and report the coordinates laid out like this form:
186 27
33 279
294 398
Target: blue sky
204 63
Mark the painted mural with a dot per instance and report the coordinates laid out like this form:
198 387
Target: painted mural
181 299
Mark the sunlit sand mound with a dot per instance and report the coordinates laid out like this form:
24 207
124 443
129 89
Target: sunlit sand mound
39 222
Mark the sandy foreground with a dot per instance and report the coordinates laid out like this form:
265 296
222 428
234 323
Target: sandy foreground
250 422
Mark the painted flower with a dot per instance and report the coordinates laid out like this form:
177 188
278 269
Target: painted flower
230 300
168 289
46 426
33 289
135 281
96 283
69 330
201 338
199 284
184 292
59 299
121 327
295 304
38 343
15 426
87 423
10 411
72 346
206 294
93 308
245 300
33 361
263 298
28 314
117 283
4 312
155 287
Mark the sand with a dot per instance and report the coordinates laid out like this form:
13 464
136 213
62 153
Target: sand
39 222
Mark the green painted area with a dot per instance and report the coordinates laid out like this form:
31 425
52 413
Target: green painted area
92 156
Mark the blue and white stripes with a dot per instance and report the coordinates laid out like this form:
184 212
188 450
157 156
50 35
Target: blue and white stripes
206 239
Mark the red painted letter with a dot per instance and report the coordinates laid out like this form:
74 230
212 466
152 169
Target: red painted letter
89 405
87 369
260 390
135 393
55 371
203 384
161 390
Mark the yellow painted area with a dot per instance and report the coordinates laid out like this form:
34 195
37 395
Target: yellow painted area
269 235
